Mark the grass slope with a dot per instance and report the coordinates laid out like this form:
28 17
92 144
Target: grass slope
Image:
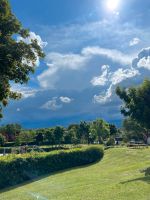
116 177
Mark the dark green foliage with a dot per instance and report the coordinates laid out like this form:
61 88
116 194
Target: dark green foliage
13 53
136 103
2 140
147 172
58 134
110 142
113 129
11 131
16 169
133 130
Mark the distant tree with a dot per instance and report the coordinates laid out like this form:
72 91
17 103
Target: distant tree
17 58
39 136
25 137
136 103
2 140
11 131
49 136
58 134
113 129
92 135
102 129
84 129
70 136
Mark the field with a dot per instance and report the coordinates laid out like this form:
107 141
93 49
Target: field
117 177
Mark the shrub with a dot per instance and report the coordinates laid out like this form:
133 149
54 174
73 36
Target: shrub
110 142
147 172
15 169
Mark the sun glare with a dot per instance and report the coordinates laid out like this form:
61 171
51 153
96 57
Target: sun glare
112 5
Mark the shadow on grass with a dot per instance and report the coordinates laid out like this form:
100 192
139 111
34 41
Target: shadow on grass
144 179
45 176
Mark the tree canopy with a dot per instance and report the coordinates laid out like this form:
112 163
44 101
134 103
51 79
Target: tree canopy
17 58
136 103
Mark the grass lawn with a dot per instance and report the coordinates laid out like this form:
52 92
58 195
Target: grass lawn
116 177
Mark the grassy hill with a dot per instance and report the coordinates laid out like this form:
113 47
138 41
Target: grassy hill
116 177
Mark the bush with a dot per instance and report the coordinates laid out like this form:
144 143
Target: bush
15 169
110 142
147 172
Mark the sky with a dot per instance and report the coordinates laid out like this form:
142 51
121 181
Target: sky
91 47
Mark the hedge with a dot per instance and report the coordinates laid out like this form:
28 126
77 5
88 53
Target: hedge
15 169
8 150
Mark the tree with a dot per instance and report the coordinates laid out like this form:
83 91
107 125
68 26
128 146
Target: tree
25 137
49 136
102 129
70 136
58 134
136 103
39 136
133 130
17 58
84 129
113 129
11 131
2 140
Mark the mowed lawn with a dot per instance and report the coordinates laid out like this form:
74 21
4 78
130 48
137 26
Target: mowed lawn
116 177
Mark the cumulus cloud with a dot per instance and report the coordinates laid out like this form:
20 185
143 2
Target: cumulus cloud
25 91
102 79
28 40
57 62
65 99
143 59
52 104
56 103
144 63
114 78
134 41
113 54
121 74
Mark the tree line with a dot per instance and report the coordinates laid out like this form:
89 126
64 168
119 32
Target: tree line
96 131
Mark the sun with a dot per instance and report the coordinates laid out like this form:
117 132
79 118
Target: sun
112 5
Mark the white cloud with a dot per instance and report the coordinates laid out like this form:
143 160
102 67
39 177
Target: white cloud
112 54
66 99
144 63
101 80
102 99
25 91
122 74
58 62
134 41
52 105
114 78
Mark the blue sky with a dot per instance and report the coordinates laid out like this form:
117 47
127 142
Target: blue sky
91 47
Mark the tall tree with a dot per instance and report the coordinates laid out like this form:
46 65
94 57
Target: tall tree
84 129
102 129
17 58
136 103
133 130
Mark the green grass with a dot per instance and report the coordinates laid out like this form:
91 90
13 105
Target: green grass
116 177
